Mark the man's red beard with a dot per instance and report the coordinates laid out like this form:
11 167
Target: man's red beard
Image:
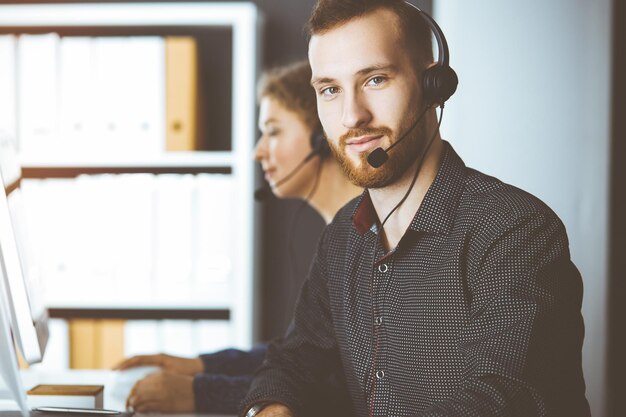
400 158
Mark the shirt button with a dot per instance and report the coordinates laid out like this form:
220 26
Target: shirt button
383 268
380 374
379 320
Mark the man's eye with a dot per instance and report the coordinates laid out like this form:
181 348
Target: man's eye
329 91
376 81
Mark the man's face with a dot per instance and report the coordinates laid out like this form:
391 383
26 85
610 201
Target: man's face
368 95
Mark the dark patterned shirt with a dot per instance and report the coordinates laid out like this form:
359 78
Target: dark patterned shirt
476 312
228 374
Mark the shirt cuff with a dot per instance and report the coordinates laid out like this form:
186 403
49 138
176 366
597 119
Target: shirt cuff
220 393
233 361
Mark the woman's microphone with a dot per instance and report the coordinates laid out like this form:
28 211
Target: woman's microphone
265 192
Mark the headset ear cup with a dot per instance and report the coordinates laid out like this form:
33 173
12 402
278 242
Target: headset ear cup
324 148
319 143
439 83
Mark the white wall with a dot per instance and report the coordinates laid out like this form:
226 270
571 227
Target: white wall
533 109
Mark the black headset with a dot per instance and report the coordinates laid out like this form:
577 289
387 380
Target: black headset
319 147
438 84
439 81
319 144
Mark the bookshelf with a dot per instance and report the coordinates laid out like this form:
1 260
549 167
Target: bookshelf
244 22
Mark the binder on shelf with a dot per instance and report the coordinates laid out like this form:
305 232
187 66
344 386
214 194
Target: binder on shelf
173 237
130 81
141 336
133 194
177 337
181 75
77 89
95 343
212 239
83 333
212 243
44 202
97 212
211 336
200 336
146 94
112 57
8 96
37 89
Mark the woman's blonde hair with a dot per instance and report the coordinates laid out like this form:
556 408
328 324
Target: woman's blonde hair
291 86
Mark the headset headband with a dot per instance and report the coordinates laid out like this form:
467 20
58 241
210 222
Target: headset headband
443 57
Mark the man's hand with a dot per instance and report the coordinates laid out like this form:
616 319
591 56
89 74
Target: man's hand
163 392
173 364
275 410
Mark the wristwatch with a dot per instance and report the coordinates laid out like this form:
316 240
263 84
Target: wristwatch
255 409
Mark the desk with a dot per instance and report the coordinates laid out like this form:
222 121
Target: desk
31 377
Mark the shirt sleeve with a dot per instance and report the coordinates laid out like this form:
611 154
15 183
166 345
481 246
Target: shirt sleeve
233 361
307 353
215 393
525 326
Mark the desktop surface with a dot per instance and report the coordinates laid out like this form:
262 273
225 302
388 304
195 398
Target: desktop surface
114 395
17 413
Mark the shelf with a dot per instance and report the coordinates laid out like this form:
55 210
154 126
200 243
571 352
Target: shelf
133 14
221 159
73 172
12 186
138 313
69 166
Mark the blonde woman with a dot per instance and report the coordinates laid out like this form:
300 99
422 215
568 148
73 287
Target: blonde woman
296 163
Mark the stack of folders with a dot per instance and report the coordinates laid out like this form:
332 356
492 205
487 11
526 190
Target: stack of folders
83 396
99 95
133 239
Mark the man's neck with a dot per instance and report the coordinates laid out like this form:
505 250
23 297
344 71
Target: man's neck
334 190
385 199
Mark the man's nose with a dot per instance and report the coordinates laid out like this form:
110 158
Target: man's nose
355 112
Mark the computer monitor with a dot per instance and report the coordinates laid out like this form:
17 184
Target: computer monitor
29 325
11 387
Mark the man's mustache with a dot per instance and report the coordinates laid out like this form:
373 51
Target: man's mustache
358 132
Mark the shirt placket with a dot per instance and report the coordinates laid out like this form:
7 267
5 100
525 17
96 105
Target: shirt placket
379 396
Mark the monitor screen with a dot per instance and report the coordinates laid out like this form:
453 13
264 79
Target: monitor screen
29 326
10 380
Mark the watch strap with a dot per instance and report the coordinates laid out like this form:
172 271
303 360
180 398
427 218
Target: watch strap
255 409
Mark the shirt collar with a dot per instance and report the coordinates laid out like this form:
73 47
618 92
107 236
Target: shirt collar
437 211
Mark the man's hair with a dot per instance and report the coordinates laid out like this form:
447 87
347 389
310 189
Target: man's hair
291 86
328 14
